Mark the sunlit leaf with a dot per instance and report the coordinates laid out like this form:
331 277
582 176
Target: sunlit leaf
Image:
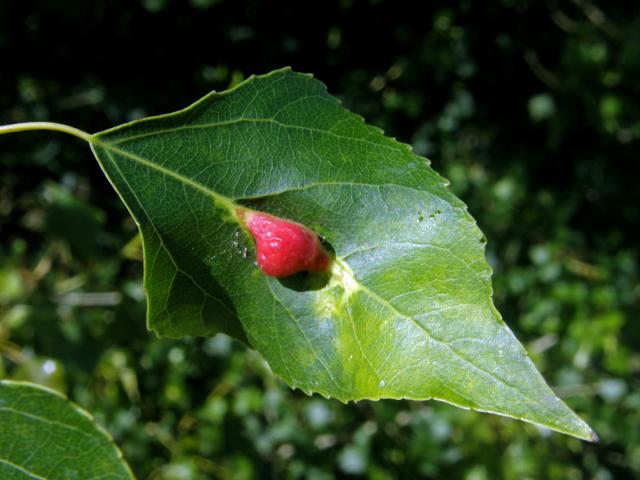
406 311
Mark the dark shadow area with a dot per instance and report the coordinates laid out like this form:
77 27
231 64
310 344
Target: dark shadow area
305 281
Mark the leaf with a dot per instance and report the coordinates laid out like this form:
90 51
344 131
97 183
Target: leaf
407 310
45 436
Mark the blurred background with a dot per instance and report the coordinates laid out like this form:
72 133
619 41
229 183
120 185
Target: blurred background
530 108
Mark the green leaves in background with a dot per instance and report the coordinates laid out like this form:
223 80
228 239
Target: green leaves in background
407 310
43 435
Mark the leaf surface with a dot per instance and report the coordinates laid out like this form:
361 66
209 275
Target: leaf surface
407 311
45 436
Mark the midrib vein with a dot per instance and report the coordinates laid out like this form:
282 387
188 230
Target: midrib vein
228 202
221 199
390 306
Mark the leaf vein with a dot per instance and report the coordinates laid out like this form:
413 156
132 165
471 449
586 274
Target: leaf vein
178 269
382 300
297 323
257 120
21 469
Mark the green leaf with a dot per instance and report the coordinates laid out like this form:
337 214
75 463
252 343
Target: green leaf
407 310
45 436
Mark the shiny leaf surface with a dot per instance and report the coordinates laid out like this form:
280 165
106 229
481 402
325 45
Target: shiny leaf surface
406 311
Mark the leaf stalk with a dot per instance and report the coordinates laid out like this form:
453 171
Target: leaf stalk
56 127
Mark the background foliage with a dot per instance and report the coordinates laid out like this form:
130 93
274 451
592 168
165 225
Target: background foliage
529 108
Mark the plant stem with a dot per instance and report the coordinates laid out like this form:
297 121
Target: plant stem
56 127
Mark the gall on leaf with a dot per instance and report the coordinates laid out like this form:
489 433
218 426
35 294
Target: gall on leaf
284 248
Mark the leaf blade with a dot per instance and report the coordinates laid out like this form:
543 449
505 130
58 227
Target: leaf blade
44 435
407 312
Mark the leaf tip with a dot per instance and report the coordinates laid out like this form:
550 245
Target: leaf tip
585 432
580 429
